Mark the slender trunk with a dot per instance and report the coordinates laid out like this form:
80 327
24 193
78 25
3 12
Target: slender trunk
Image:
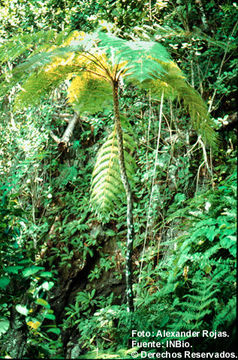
126 184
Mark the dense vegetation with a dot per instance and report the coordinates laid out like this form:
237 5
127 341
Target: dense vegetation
118 177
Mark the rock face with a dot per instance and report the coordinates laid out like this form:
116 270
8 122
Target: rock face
16 338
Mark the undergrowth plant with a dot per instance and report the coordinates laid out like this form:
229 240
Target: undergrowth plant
32 312
193 286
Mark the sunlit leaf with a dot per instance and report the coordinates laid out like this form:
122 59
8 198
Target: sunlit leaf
4 326
34 324
54 331
50 316
31 270
43 302
22 309
47 285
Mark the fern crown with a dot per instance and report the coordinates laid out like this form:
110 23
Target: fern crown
98 59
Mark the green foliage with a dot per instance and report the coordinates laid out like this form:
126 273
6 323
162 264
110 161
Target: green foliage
14 48
198 269
91 94
152 68
107 186
52 245
197 304
19 273
143 59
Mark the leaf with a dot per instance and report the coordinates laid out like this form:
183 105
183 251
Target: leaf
173 84
4 281
13 269
54 331
110 232
89 93
107 187
43 303
139 56
46 274
34 324
47 285
31 270
50 316
4 325
22 309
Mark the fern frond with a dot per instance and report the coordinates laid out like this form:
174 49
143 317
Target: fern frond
90 93
174 85
226 315
40 84
19 45
53 51
35 64
107 187
139 56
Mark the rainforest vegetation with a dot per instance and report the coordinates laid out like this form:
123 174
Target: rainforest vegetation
118 182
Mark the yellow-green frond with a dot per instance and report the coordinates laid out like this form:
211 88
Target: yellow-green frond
90 93
39 84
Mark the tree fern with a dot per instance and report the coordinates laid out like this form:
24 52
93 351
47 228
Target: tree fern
102 60
107 186
144 62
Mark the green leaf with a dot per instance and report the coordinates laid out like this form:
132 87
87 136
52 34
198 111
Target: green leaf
54 331
4 325
22 309
4 281
142 57
43 303
50 316
110 232
107 188
89 93
46 274
31 270
13 269
47 285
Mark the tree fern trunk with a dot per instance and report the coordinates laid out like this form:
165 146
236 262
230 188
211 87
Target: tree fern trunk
126 184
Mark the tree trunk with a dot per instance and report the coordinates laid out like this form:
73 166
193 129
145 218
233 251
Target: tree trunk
126 184
63 141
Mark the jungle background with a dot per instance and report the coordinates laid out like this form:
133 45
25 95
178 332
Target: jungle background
62 275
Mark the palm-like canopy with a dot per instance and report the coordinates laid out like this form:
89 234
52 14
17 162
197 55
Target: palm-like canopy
90 63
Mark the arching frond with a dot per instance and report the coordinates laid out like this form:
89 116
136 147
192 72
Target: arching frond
139 56
40 84
107 188
99 57
18 45
90 93
174 85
